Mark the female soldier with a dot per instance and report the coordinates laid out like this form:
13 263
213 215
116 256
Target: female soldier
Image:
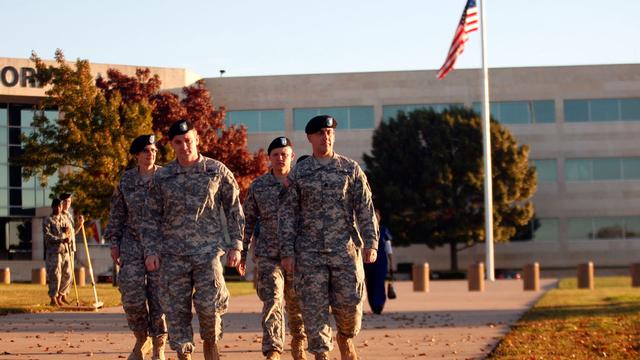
139 288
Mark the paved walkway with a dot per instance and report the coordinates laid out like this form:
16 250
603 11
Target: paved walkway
447 323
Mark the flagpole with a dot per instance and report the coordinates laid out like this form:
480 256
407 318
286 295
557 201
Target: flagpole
486 152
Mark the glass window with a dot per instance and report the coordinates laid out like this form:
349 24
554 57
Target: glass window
250 119
4 211
604 110
301 117
3 117
391 111
576 110
355 117
631 168
632 227
26 117
578 169
608 228
4 136
4 197
544 111
516 112
271 120
548 230
606 169
580 229
28 198
4 175
4 157
361 117
547 170
630 109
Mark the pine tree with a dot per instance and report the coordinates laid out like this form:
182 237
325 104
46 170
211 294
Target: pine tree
426 173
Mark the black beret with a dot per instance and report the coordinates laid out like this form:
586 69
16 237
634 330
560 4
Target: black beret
65 196
320 122
302 158
140 142
279 142
55 203
179 127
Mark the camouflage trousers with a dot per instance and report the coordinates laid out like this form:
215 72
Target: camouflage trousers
198 280
325 281
140 291
58 267
273 286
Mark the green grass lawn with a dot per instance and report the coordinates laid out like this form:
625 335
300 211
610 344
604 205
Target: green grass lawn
20 298
568 323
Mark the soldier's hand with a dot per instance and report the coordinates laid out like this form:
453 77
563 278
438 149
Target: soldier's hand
152 262
288 263
370 256
233 258
115 255
242 267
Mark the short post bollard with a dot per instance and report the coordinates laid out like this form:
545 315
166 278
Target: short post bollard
39 276
585 276
5 276
80 276
475 277
420 276
531 277
635 275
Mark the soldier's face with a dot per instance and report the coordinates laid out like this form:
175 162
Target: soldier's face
186 146
281 158
66 204
58 209
322 141
147 157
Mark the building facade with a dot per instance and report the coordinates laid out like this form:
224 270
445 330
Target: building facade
581 123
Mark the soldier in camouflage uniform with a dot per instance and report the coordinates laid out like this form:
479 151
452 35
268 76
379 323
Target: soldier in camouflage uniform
190 200
65 199
57 235
273 283
324 217
139 287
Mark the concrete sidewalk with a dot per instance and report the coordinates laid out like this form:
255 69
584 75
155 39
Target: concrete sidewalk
449 322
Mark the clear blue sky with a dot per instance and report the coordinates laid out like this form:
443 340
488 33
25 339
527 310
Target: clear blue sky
267 37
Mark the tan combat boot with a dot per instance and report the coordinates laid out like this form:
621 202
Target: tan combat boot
297 349
141 347
210 349
54 301
158 347
322 356
184 356
273 355
347 349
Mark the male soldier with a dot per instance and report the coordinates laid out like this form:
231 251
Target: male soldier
183 237
66 206
326 213
57 234
261 205
139 288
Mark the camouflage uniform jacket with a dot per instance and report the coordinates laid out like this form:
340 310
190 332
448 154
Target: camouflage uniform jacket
54 237
333 205
187 209
127 207
261 205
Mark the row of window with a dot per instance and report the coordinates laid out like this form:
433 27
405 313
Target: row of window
588 228
506 112
596 169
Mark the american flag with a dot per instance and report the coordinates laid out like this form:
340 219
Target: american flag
468 23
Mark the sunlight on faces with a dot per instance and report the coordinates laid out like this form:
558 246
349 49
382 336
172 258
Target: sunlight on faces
147 157
281 158
66 204
186 146
322 141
